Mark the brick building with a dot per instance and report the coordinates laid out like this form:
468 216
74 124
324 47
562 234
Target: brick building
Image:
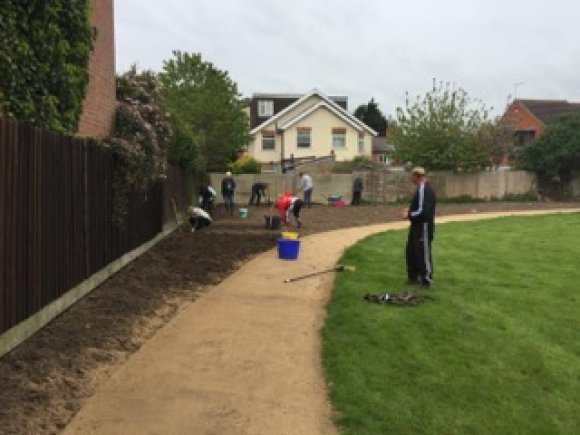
528 118
98 116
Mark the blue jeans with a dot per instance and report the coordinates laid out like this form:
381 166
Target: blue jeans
308 197
229 200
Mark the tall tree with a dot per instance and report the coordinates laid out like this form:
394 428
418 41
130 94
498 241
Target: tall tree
206 108
447 130
556 154
372 116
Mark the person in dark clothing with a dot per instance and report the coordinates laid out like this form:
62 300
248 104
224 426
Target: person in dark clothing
357 188
206 198
421 213
259 188
228 189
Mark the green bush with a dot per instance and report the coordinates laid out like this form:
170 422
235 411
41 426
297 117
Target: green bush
246 165
467 199
44 57
461 199
142 136
518 197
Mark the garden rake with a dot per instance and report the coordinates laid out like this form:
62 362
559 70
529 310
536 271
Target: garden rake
338 268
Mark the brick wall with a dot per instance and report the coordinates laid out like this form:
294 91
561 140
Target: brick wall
521 118
98 116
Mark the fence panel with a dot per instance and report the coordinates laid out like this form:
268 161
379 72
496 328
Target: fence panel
56 217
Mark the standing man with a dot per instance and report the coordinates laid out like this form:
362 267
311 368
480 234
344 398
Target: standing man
357 188
228 189
306 186
259 188
422 216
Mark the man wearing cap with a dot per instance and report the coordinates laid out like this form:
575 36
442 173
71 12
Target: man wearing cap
421 213
228 189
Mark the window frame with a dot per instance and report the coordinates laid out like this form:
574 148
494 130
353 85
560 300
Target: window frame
263 106
361 143
303 130
270 136
336 134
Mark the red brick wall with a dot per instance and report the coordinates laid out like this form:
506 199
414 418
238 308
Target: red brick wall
98 116
518 116
522 119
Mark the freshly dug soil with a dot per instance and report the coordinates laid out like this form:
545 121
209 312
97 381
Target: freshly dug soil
43 382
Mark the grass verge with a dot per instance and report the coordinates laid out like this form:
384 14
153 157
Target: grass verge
497 352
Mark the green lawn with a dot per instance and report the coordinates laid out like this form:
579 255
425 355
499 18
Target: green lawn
498 352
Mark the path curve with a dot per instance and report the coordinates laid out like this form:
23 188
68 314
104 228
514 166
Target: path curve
243 359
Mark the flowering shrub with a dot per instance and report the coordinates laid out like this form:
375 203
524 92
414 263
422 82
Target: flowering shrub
142 136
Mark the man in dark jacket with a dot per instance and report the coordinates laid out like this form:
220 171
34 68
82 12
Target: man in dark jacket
357 188
228 189
422 216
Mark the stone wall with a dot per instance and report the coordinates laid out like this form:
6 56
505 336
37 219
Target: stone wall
324 185
382 186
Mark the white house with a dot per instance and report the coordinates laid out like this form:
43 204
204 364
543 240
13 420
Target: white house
287 126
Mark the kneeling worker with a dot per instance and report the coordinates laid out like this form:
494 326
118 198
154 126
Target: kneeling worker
198 218
286 204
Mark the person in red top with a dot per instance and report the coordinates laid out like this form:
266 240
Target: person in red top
286 204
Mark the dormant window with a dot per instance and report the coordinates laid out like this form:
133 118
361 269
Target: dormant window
265 108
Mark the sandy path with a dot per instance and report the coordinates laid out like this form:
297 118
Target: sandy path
242 359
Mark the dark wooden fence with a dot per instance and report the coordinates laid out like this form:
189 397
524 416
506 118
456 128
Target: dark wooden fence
56 217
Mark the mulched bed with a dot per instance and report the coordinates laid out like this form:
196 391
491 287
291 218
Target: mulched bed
44 381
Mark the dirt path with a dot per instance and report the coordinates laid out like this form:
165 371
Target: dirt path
243 359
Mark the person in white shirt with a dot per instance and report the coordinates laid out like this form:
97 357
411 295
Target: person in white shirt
198 218
306 186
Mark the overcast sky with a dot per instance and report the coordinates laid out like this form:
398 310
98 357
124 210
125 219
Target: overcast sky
364 49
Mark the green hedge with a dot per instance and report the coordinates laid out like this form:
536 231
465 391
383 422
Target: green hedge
44 56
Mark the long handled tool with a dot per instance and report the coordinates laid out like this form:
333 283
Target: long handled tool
176 214
339 268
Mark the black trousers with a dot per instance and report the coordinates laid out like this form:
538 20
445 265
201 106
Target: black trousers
308 197
419 260
257 195
296 209
355 198
197 223
207 205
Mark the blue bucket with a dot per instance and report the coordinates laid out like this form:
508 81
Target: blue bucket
288 249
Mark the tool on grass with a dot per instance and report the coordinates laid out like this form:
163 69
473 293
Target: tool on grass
339 268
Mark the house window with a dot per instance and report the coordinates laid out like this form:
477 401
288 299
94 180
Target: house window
524 137
339 138
383 159
303 137
265 108
361 143
268 140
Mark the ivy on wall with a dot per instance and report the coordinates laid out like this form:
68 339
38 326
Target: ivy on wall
44 57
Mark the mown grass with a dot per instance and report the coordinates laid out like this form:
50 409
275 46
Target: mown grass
498 352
